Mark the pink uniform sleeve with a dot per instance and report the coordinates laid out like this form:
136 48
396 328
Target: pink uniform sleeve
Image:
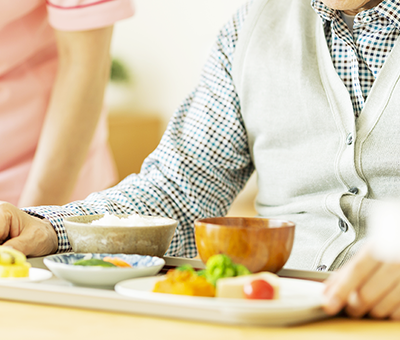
81 15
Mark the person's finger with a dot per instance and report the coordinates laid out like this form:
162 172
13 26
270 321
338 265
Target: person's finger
388 304
373 290
350 278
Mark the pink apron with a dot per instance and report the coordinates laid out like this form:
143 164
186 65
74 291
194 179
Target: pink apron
28 63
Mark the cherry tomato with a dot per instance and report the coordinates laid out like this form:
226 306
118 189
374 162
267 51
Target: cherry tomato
258 289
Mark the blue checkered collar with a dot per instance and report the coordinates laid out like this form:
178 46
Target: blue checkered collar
389 9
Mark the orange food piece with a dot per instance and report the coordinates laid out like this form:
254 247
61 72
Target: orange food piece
184 282
117 261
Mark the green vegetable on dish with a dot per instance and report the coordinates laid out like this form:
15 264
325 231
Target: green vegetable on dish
221 266
93 262
218 267
242 270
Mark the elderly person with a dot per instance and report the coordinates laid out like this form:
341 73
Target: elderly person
307 95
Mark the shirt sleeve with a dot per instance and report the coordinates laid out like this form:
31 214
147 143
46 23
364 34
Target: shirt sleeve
81 15
201 164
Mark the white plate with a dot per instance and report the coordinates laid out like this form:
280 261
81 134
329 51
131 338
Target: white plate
103 277
35 275
300 301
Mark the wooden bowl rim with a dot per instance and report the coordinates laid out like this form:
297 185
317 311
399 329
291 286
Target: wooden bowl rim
204 222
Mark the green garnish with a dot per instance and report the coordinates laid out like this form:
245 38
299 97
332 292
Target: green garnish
93 262
221 266
217 267
242 270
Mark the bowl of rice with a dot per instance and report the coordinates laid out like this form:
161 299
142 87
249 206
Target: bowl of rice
113 234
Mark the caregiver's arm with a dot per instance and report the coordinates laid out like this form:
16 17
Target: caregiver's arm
73 112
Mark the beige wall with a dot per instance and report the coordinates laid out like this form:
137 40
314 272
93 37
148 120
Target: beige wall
166 44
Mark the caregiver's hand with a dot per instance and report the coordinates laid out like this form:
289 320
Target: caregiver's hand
26 233
365 286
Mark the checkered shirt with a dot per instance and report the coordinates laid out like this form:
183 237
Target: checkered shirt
199 167
203 159
358 57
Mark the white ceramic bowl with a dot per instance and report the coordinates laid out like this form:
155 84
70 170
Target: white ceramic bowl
93 276
152 240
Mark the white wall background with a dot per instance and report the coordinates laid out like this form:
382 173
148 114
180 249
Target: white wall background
165 46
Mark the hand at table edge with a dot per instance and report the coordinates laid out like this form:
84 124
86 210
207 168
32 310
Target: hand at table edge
364 286
30 235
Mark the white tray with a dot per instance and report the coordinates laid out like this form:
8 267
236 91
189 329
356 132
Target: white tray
58 292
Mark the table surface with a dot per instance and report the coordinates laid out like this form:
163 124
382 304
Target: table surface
31 321
38 322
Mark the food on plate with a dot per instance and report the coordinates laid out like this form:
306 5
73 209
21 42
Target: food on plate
107 261
263 285
221 266
184 282
258 290
222 278
13 263
129 221
93 263
116 261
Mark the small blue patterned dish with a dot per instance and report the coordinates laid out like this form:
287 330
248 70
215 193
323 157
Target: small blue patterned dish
62 266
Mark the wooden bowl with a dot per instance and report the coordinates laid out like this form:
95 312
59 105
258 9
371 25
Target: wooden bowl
261 244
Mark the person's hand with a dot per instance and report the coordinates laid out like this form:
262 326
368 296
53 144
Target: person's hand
28 234
363 286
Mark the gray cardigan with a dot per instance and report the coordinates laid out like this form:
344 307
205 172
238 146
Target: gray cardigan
317 165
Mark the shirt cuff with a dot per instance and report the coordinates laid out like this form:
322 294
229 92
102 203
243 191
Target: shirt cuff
86 17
